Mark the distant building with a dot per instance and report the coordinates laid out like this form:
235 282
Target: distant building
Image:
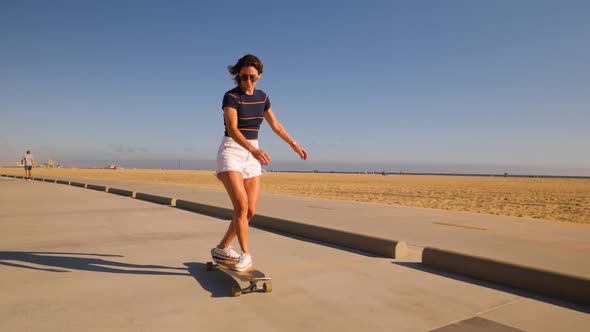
113 166
50 164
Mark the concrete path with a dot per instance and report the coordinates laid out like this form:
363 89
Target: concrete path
73 259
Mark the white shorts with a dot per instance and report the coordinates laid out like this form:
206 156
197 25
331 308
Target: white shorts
231 156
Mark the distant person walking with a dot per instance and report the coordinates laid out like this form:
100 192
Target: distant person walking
239 157
29 162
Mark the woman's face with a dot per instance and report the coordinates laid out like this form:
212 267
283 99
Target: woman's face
248 78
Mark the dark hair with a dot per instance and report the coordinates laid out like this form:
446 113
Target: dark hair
245 61
28 151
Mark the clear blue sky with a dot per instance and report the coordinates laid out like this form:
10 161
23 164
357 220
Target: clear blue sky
462 85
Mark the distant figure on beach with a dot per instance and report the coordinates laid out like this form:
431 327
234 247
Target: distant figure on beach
239 157
29 162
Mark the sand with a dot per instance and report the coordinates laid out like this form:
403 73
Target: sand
556 199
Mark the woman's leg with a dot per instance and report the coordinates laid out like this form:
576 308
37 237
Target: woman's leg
235 186
252 187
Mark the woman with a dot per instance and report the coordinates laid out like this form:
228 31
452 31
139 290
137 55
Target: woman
239 157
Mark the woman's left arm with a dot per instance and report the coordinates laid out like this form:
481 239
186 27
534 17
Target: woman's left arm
278 128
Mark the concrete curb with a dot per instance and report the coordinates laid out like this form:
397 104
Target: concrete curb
78 184
382 247
49 180
155 199
379 246
121 192
209 210
38 179
62 182
566 287
96 187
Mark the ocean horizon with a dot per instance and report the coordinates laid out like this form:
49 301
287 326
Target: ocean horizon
341 167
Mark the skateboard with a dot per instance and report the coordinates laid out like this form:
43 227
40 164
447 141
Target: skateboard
251 275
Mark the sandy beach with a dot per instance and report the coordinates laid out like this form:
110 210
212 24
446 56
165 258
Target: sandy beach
555 199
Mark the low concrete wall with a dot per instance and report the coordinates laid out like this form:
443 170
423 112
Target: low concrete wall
96 187
378 246
121 192
155 199
570 288
78 184
210 210
371 244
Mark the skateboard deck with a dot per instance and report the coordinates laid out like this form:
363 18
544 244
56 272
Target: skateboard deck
251 276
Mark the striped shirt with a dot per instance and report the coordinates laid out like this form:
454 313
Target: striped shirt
250 109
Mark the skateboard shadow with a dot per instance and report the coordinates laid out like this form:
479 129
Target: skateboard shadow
216 282
498 287
67 261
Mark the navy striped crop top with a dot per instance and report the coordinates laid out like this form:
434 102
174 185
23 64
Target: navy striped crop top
250 109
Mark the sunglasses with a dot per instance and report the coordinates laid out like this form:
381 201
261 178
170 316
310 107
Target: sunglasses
252 78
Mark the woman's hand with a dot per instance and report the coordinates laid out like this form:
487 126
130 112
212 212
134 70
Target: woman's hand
300 151
261 156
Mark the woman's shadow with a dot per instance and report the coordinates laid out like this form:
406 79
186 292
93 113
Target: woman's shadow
67 261
217 283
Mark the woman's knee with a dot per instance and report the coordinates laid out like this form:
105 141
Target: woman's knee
241 210
251 212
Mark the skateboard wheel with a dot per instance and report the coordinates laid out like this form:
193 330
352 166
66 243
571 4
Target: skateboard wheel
267 286
236 291
209 266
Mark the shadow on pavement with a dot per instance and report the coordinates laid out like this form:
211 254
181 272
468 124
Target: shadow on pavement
216 282
498 287
66 261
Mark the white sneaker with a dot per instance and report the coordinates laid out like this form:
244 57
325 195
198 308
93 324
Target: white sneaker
244 262
226 254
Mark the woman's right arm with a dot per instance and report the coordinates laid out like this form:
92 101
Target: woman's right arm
231 124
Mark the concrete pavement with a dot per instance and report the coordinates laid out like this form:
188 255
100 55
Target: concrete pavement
505 250
78 259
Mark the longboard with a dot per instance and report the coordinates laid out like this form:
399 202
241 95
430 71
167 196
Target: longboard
251 276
